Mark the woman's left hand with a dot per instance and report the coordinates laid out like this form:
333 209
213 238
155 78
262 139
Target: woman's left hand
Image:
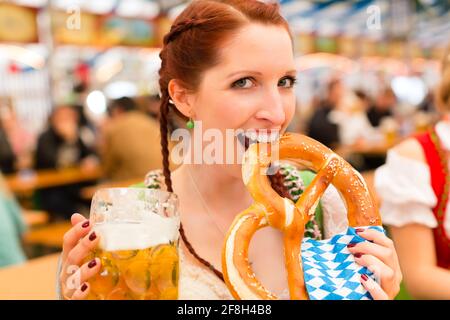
379 257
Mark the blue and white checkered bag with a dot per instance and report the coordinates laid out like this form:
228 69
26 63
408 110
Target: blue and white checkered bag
330 270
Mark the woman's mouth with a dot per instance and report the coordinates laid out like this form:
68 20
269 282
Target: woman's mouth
249 137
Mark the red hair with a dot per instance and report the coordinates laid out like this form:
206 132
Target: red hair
193 45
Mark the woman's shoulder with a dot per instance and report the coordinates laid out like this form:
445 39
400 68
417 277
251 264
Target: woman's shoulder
410 149
403 184
405 173
405 166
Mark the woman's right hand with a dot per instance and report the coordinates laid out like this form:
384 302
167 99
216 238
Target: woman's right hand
78 243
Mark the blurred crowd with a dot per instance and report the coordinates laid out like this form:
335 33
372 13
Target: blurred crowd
125 145
346 117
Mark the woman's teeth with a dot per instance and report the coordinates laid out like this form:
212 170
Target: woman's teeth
250 137
262 137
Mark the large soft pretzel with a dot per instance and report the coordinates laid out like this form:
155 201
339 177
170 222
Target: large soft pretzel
270 209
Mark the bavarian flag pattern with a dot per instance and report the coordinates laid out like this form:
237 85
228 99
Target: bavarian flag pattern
330 270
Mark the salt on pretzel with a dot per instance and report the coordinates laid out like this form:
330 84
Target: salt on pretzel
270 209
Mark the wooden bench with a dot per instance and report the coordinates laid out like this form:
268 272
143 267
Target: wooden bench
34 218
50 235
25 185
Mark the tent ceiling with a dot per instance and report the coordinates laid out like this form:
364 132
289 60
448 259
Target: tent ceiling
426 21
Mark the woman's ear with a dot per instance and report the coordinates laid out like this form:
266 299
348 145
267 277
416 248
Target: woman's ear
181 97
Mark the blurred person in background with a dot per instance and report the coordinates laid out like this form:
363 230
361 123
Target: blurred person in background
321 127
354 126
130 141
152 107
16 143
383 107
86 128
428 105
360 130
7 157
414 187
12 227
59 147
153 103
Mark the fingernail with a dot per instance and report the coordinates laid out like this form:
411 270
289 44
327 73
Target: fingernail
358 255
86 224
351 245
92 264
364 277
93 236
84 287
359 230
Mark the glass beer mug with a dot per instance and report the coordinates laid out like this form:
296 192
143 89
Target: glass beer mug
389 127
138 245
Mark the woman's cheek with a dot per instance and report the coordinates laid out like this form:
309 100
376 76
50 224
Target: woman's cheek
289 109
234 113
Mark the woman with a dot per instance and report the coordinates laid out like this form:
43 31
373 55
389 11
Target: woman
215 71
21 141
414 186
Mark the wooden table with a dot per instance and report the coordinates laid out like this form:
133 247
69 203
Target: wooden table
34 280
50 235
365 148
35 218
20 184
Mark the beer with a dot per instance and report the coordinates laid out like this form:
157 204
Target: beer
138 249
390 128
144 274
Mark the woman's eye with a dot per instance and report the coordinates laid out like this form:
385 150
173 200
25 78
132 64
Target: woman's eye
287 82
243 83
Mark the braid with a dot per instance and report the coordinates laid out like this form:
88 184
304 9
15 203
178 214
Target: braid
164 122
194 253
181 27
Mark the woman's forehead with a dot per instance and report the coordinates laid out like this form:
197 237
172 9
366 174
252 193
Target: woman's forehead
257 47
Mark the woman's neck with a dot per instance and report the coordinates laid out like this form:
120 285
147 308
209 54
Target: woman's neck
217 184
220 191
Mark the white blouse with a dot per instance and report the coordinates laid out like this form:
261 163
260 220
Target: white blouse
404 186
198 283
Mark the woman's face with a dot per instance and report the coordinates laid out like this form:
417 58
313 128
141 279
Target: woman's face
252 86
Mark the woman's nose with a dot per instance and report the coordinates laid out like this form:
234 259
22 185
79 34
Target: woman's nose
272 108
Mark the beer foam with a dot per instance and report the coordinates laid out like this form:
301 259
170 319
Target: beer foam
153 231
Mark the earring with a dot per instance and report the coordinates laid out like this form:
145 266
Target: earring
190 124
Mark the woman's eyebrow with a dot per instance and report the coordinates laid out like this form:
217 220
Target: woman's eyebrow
244 71
291 71
256 72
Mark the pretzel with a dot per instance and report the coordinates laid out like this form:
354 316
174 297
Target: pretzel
270 209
